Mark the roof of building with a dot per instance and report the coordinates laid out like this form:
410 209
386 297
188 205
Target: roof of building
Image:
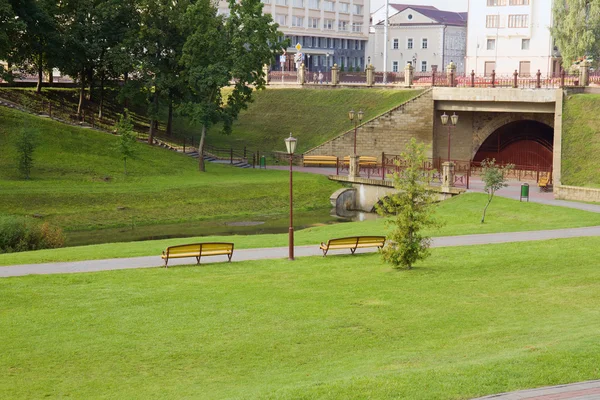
442 17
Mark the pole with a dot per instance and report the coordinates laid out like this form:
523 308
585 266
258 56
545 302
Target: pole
291 230
448 143
354 137
385 41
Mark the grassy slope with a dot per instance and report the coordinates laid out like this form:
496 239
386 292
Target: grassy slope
312 115
460 215
581 141
69 186
466 322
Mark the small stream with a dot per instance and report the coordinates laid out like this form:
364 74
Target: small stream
251 226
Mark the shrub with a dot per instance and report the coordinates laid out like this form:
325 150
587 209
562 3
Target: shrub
25 144
19 234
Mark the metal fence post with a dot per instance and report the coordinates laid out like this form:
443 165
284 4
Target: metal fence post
183 145
472 78
231 155
538 83
562 78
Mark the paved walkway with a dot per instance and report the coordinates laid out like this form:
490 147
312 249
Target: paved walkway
589 390
282 252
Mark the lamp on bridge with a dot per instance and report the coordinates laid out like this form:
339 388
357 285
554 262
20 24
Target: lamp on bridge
290 145
356 118
453 121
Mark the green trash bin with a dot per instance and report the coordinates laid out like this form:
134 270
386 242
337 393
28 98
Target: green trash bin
524 192
263 162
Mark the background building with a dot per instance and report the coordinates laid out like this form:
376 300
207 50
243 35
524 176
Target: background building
329 31
420 35
509 35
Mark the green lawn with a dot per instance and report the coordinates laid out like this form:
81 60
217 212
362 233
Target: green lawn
460 216
581 141
78 182
312 115
468 321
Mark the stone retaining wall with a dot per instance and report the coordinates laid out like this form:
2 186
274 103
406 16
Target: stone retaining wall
576 193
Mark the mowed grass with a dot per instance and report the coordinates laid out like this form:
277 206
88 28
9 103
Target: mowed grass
78 182
581 141
460 215
313 116
466 322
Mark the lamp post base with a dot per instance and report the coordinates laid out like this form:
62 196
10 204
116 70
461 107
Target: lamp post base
291 244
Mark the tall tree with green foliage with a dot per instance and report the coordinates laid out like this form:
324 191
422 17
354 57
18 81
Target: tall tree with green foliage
576 29
219 51
9 34
25 146
494 177
125 146
411 210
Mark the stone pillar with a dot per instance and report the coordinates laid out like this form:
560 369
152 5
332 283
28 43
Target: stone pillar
266 72
451 74
302 74
335 79
584 73
354 167
408 75
447 176
370 75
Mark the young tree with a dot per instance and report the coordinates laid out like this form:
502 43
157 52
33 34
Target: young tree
576 29
126 143
410 209
25 146
494 178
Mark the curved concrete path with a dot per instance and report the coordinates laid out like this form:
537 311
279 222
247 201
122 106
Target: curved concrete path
282 252
589 390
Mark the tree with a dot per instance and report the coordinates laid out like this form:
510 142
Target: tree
410 209
126 144
219 51
576 30
8 36
25 146
494 178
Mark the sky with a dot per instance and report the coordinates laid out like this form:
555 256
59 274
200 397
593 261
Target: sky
446 5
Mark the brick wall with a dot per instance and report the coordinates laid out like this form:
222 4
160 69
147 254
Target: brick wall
389 132
576 193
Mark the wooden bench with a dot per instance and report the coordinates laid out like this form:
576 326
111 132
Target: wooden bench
363 161
197 250
319 160
544 183
352 243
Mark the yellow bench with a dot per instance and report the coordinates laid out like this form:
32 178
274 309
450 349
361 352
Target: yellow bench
352 243
197 250
544 183
319 160
363 161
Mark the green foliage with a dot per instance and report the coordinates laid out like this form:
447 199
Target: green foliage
25 145
411 209
126 144
576 30
18 234
494 178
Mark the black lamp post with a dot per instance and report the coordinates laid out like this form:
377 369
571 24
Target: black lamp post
290 145
356 119
452 124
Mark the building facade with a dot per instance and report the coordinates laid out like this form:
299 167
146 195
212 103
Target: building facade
329 31
509 35
423 36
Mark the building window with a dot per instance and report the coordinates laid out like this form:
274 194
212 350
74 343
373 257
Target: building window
525 69
356 27
281 2
492 21
424 43
329 6
265 1
298 3
297 21
344 43
344 7
314 4
524 44
328 24
357 9
490 66
331 43
394 66
395 44
518 21
423 66
491 44
280 19
313 22
519 2
342 25
494 3
409 43
410 16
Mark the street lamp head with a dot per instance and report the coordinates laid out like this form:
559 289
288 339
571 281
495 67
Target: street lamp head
290 144
351 115
360 115
454 119
444 119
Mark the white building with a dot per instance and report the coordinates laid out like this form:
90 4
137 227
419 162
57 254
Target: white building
509 35
329 31
419 35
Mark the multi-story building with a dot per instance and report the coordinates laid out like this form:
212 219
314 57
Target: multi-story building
329 31
509 35
419 35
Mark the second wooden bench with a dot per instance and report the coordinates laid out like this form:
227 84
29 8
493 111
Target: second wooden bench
352 243
198 250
